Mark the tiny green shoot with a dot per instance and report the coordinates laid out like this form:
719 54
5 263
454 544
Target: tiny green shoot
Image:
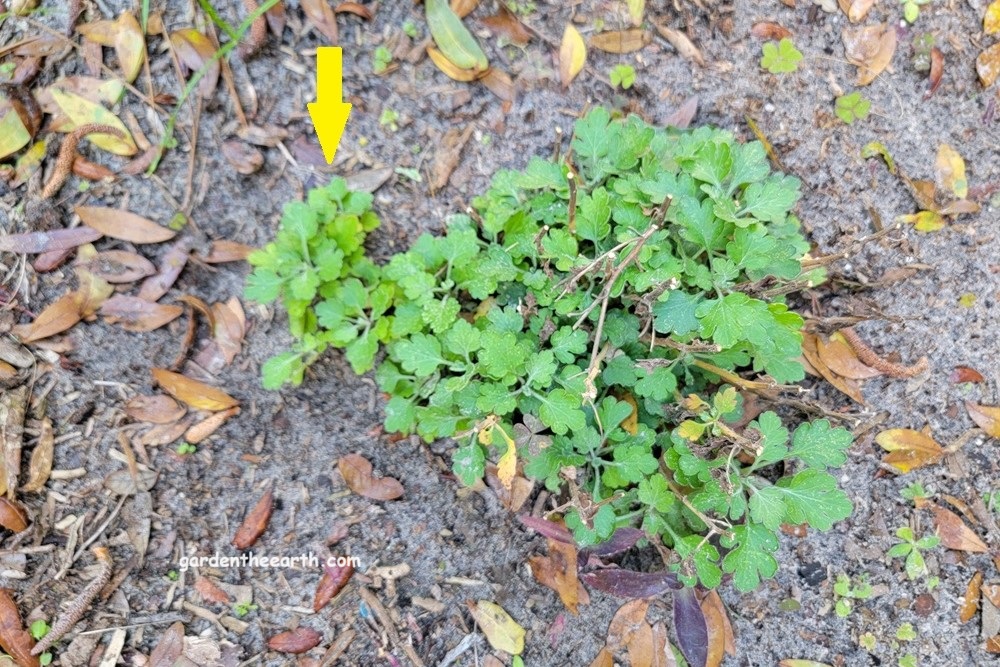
852 107
780 58
911 549
381 60
622 76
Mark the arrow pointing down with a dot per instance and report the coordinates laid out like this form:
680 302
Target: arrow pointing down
329 112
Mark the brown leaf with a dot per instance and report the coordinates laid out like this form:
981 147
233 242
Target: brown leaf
357 473
13 516
870 48
135 314
119 224
714 614
663 654
986 417
321 15
506 23
629 630
988 65
621 41
206 427
463 7
856 10
14 639
712 599
244 158
194 50
810 350
230 328
196 394
210 592
963 374
908 449
171 265
170 647
682 43
125 35
970 602
255 523
604 659
770 31
59 316
937 71
364 11
572 55
331 583
276 18
222 251
41 458
447 155
118 266
841 359
157 409
39 242
499 83
91 292
557 570
299 640
954 533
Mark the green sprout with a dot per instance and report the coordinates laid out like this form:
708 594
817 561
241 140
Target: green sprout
780 58
241 609
911 548
388 119
38 629
410 28
186 448
381 60
911 9
844 593
622 75
914 491
852 107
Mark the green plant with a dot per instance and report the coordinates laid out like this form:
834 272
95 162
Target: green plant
844 593
906 633
186 448
410 28
911 9
923 44
914 491
381 59
241 609
573 320
908 660
911 548
38 629
780 58
173 575
388 119
622 75
852 107
867 641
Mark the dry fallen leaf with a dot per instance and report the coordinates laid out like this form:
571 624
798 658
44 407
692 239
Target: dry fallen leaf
870 48
357 473
840 358
193 50
557 570
954 533
139 315
60 315
13 516
125 35
206 427
331 583
171 265
572 55
712 599
40 466
970 602
908 449
119 224
770 31
810 351
991 19
629 630
14 639
986 417
949 171
463 8
79 111
223 251
502 632
210 591
196 394
452 70
170 647
321 15
255 522
500 84
506 23
963 374
116 266
621 41
682 43
988 65
856 10
55 240
157 409
299 640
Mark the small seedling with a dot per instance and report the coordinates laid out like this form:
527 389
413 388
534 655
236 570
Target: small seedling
908 660
911 9
923 44
622 75
852 107
173 575
410 28
906 633
39 629
867 641
410 173
241 609
911 548
844 593
381 60
521 7
780 58
186 448
914 491
388 119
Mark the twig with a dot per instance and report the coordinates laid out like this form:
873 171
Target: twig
80 604
870 357
67 154
848 252
387 624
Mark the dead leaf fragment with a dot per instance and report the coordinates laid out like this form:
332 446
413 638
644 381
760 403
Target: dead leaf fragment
222 251
357 473
119 224
949 171
210 591
506 23
680 41
991 19
157 409
194 50
170 647
206 427
59 316
810 351
118 266
988 65
40 466
870 48
557 570
770 31
321 15
135 314
14 639
13 516
502 631
244 158
299 640
331 583
630 631
970 601
452 70
621 41
840 358
125 35
908 449
52 241
171 266
856 10
255 523
954 533
986 417
196 394
572 55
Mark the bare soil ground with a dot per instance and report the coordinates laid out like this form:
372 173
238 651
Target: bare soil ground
462 545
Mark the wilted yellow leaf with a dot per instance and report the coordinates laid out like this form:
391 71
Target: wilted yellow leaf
503 633
81 111
908 449
986 418
452 70
194 49
991 20
988 65
125 36
924 221
572 55
507 465
13 134
196 394
949 170
636 8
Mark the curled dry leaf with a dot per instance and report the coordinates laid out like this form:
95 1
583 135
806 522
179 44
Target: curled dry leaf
139 315
59 316
502 631
40 466
499 83
682 43
119 224
14 639
170 647
840 358
299 640
194 50
856 10
954 533
506 23
255 522
331 583
357 473
810 351
770 31
557 570
970 601
630 631
210 591
244 158
621 41
870 48
223 251
363 11
53 241
320 14
13 516
962 374
937 71
908 449
572 55
173 262
206 427
156 409
14 134
988 65
125 36
986 417
119 266
196 394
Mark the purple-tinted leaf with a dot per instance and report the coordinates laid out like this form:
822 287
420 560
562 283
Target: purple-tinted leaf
547 528
623 540
630 584
170 268
57 239
691 627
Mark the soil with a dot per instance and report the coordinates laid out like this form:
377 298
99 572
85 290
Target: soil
463 545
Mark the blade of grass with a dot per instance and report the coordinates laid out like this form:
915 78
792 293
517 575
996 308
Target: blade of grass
222 24
144 17
224 51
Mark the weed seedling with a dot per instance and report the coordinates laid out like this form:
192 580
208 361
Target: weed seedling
241 609
780 58
852 107
410 28
388 119
186 448
914 491
911 9
911 548
39 629
622 75
381 60
844 593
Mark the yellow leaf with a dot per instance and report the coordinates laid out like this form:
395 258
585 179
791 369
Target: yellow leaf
82 111
690 430
991 20
572 55
196 394
988 65
986 417
908 449
451 69
636 8
507 465
503 633
13 134
924 221
631 423
949 168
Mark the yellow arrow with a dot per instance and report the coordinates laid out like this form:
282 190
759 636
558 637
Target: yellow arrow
329 112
